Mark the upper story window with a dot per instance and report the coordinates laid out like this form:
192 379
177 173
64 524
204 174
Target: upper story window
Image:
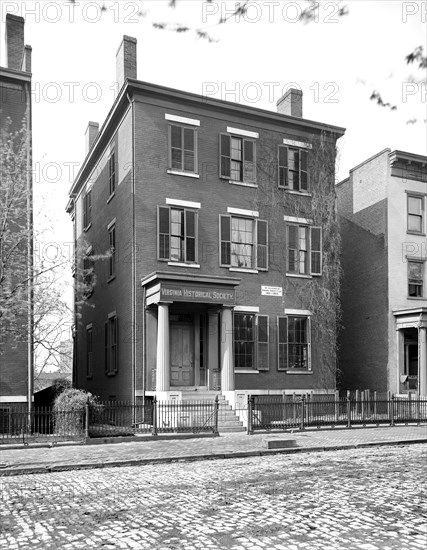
415 279
243 242
182 149
112 174
87 209
304 250
177 234
238 157
112 250
294 342
293 168
416 214
88 273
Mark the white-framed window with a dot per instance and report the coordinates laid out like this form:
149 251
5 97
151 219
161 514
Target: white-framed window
182 149
237 158
416 213
177 234
293 168
294 343
243 242
304 250
251 341
111 345
112 247
415 278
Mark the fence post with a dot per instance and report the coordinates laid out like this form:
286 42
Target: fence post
87 418
418 396
348 410
362 406
250 403
392 410
154 432
302 412
216 415
375 405
337 406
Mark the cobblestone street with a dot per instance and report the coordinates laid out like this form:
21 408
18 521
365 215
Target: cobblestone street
359 498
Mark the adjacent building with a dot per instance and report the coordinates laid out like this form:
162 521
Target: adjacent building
199 246
382 211
16 350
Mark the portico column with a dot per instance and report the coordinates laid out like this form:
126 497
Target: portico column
163 357
422 368
227 359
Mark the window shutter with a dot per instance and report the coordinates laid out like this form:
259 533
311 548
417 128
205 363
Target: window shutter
316 250
283 166
292 248
304 170
116 342
190 236
189 150
176 162
85 224
262 343
262 245
248 161
225 240
225 156
282 342
163 248
89 206
106 348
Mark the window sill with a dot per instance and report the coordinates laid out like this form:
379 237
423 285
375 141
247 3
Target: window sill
187 174
182 264
110 198
420 234
293 192
111 373
87 227
246 371
242 183
298 371
298 276
111 278
243 270
416 298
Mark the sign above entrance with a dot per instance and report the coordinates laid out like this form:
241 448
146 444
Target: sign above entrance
271 291
197 293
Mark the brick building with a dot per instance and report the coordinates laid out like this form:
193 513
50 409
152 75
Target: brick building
382 212
200 291
16 353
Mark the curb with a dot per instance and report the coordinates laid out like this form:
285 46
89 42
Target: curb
8 472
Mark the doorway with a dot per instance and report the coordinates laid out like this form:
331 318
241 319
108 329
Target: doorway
410 364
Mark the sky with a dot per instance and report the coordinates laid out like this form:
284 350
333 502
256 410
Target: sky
336 61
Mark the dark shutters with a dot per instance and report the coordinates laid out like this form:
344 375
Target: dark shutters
164 232
262 343
225 156
225 240
262 245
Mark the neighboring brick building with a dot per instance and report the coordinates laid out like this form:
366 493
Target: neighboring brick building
16 353
199 293
382 212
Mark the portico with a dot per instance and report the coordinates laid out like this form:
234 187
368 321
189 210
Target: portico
189 333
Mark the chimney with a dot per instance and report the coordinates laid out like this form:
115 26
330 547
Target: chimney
290 103
90 135
14 41
126 60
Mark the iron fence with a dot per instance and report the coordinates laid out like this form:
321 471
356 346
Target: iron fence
282 412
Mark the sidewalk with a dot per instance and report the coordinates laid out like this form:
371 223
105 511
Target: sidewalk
29 460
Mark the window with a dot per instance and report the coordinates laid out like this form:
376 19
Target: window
183 149
177 234
87 209
415 279
415 214
112 174
112 249
304 250
88 273
89 351
237 159
293 174
294 343
243 243
251 341
111 345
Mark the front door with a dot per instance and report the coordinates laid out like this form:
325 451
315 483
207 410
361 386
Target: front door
411 366
181 354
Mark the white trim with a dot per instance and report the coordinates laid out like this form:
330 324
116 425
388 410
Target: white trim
243 212
242 270
294 143
300 276
243 184
303 372
186 204
292 192
246 371
294 219
245 133
248 309
13 399
112 314
305 312
182 119
182 264
178 173
112 222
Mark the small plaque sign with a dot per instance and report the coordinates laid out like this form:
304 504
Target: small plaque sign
271 290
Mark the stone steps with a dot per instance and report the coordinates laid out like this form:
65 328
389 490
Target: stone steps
227 419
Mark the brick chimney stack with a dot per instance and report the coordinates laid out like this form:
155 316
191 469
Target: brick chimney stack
90 135
291 103
15 41
126 60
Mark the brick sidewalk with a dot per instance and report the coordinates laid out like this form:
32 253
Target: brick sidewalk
147 451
